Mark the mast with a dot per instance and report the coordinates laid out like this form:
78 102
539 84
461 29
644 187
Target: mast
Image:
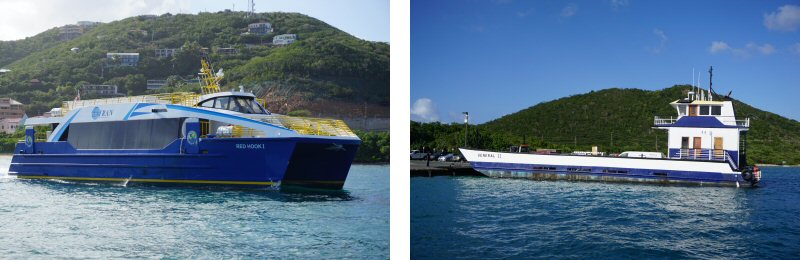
710 84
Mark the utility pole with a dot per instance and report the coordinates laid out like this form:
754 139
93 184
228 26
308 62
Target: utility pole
612 140
466 126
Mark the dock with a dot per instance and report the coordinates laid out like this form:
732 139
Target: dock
421 168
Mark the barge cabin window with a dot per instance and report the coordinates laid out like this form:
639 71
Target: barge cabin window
245 105
133 134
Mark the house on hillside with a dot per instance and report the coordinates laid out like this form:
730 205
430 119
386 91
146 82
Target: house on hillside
9 125
10 108
166 52
122 59
227 51
11 113
156 84
262 28
87 24
69 32
34 83
284 39
100 90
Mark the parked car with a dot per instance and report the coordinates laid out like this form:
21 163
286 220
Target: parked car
417 155
435 156
446 158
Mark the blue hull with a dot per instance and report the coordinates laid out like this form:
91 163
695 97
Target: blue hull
559 172
261 162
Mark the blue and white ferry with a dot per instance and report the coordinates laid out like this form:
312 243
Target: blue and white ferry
707 146
219 138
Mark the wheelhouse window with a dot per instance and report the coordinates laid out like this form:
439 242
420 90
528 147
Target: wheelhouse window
703 110
246 105
716 110
682 110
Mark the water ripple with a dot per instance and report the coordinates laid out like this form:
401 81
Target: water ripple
48 219
473 217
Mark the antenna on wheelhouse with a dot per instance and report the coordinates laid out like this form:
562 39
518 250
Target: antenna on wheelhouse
710 83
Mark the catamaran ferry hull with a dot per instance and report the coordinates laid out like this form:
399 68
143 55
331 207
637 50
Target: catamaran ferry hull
596 168
245 162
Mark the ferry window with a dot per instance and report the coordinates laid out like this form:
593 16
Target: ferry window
207 103
703 110
685 142
257 107
239 105
716 110
133 134
682 110
222 103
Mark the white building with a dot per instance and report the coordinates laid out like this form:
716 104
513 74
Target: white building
156 84
9 125
99 90
166 52
259 28
122 59
284 39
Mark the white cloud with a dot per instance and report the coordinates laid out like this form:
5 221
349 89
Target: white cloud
524 13
662 41
425 109
569 10
717 47
795 48
619 3
745 52
23 18
786 19
764 49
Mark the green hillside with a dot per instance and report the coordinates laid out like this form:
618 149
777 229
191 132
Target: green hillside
580 121
325 64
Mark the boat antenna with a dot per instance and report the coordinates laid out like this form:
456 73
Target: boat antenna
710 83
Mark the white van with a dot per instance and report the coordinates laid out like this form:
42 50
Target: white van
635 154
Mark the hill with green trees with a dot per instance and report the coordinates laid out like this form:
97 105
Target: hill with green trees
325 64
615 120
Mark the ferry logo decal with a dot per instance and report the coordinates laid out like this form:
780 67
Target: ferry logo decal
95 113
191 137
100 113
28 141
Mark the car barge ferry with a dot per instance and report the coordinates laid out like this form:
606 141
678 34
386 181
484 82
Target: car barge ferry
707 146
217 138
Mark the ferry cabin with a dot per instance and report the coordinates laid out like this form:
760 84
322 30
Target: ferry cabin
705 130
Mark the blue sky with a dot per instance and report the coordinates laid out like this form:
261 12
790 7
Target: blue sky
496 57
365 19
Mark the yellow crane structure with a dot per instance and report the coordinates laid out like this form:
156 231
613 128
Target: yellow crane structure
210 79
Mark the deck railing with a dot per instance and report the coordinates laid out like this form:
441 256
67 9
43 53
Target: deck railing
701 154
727 120
312 126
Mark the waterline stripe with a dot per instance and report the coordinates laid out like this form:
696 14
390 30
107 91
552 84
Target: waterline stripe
147 180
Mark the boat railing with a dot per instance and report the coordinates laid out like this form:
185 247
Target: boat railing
664 120
726 120
733 164
701 154
311 126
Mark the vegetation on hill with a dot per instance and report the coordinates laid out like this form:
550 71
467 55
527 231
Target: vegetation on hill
616 120
324 64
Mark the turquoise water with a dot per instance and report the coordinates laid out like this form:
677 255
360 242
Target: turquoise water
478 217
47 219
